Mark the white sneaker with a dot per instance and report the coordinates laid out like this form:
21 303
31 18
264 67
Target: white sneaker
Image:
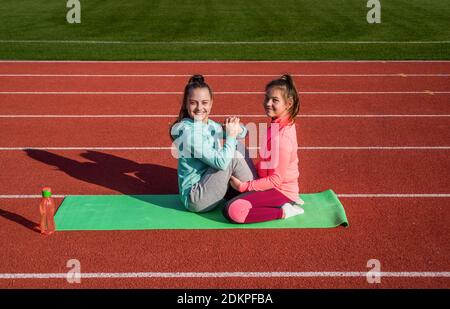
300 209
290 210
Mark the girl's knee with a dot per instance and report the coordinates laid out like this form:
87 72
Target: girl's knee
237 210
194 208
201 207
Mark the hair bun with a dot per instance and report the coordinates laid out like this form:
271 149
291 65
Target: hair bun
197 78
286 77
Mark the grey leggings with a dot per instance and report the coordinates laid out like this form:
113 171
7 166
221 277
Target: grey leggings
211 189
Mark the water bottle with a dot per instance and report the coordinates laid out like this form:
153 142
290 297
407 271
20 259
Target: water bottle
47 210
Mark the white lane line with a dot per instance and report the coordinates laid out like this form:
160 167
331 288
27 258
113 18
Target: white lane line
226 75
226 275
420 195
111 92
224 61
344 195
299 148
25 196
376 148
218 42
86 148
227 115
430 92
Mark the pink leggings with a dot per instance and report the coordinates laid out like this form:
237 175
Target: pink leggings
256 206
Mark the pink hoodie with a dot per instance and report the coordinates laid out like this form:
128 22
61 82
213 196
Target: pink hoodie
283 175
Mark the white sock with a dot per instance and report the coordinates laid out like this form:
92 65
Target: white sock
290 210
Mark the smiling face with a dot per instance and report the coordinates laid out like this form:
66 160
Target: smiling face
199 104
275 104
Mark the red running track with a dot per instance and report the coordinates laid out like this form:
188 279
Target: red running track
311 132
140 172
405 234
169 104
225 67
221 84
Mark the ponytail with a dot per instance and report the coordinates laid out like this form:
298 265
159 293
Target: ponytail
286 82
196 81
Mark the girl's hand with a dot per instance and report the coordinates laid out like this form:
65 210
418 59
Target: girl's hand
235 183
232 126
236 119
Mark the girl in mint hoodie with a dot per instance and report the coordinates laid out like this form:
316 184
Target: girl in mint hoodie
205 166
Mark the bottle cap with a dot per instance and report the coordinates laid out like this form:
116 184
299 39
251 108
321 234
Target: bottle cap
46 192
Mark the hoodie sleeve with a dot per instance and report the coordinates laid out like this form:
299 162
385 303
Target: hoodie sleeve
280 159
201 145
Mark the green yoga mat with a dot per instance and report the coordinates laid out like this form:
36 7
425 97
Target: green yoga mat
148 212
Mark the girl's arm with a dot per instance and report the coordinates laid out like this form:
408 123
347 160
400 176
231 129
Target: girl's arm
201 147
275 179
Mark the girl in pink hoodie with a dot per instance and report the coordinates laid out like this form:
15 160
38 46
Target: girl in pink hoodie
275 194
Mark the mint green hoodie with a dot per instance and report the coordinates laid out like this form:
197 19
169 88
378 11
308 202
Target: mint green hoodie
198 148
